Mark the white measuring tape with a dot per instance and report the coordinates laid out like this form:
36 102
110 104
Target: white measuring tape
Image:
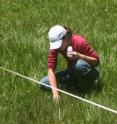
62 91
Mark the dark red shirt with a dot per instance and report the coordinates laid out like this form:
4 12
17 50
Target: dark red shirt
79 44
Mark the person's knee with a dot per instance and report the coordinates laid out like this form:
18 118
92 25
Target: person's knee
82 67
45 82
96 74
92 75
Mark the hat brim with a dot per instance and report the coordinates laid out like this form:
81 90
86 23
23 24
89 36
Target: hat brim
56 45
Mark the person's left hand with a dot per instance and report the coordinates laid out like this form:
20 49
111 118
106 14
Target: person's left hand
74 55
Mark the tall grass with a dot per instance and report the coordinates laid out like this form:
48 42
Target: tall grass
24 49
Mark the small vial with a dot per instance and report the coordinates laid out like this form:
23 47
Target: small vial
69 51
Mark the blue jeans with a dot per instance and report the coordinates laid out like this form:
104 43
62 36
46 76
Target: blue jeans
80 72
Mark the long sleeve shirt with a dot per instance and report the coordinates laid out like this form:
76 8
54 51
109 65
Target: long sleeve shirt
79 44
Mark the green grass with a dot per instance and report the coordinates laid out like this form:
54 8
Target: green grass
24 48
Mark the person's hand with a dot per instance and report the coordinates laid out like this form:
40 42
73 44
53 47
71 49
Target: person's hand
56 97
74 55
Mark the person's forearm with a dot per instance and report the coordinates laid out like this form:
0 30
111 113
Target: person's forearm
90 60
52 80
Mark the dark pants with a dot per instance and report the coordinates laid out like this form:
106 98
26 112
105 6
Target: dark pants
81 72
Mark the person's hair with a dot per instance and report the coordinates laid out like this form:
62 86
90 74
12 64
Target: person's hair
68 33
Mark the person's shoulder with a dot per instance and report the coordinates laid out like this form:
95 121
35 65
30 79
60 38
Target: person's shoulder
78 38
52 52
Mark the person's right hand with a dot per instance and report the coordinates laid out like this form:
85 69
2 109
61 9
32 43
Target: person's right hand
56 97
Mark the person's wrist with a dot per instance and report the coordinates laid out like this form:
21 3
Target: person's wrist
55 92
81 56
78 56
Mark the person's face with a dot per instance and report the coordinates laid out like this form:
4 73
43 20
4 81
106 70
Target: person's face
64 45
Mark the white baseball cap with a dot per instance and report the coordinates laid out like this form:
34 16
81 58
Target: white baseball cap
55 35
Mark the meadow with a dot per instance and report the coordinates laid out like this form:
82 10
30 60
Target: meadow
24 46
